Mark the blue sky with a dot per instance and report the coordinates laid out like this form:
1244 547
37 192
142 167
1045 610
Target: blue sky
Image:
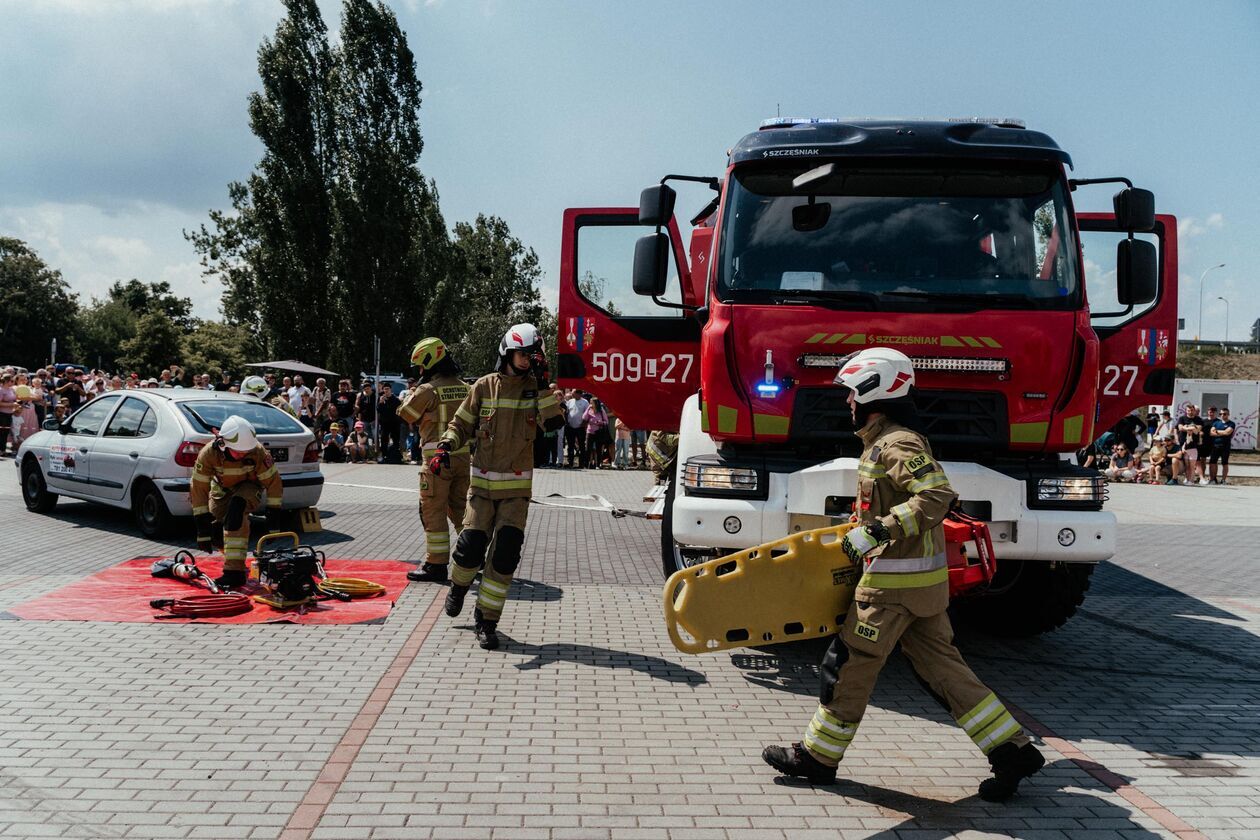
124 120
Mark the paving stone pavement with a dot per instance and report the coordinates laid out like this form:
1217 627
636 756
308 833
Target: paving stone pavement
587 723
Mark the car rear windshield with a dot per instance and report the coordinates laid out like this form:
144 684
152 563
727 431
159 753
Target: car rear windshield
208 415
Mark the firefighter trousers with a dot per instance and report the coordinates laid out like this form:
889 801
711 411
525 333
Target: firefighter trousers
443 499
494 527
233 508
868 637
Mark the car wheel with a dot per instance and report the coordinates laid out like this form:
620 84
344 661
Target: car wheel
150 509
34 490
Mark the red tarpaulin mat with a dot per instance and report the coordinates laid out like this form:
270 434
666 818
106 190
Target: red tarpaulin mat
123 592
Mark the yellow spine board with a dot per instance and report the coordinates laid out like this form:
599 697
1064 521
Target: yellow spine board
797 587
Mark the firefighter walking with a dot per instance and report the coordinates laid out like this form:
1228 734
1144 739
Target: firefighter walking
443 495
903 497
228 481
502 412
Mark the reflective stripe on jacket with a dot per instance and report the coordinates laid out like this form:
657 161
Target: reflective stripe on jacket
901 484
503 414
215 473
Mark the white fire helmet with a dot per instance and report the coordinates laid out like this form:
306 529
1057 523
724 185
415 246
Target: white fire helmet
255 386
877 373
238 434
521 337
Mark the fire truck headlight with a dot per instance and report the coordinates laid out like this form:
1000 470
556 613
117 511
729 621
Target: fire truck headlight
1075 489
702 477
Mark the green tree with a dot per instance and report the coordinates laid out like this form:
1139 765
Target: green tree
155 345
102 329
141 297
493 284
390 244
36 305
214 346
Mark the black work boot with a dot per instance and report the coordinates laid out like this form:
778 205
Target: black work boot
1010 764
455 600
230 579
796 761
429 572
486 634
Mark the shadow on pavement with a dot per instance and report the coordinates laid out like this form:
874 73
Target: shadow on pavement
1138 653
1038 799
524 589
598 657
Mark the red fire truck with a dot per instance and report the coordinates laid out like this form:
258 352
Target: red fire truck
1032 328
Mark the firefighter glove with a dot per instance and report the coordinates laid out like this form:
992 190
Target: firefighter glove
205 525
274 524
442 459
864 539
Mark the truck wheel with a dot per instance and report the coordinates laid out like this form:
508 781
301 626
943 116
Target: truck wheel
671 557
150 509
34 491
1027 597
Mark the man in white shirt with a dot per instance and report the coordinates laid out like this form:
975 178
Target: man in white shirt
299 398
574 435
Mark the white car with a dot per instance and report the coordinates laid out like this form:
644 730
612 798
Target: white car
135 449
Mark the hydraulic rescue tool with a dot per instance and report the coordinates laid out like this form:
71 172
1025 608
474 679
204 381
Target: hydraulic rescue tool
794 588
183 566
294 576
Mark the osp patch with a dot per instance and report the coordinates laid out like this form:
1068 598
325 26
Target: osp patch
866 631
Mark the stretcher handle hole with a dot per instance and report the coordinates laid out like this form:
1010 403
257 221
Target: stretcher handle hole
792 628
737 635
725 568
767 636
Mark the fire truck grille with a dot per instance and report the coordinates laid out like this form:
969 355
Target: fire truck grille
953 420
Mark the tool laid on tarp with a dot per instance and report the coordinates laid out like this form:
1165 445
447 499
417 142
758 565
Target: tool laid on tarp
183 566
797 587
293 576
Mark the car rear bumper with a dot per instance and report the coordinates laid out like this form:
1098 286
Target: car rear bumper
301 490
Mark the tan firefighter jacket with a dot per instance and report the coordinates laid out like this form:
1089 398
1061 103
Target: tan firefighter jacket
215 474
502 413
662 449
432 405
901 484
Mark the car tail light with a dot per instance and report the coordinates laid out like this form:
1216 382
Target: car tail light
187 453
311 455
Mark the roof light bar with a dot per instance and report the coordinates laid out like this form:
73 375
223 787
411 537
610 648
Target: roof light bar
948 365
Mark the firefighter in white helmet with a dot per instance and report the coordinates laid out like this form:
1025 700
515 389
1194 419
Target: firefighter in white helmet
255 386
443 496
228 481
903 497
502 412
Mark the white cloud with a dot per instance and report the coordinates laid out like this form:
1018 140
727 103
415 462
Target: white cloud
1190 226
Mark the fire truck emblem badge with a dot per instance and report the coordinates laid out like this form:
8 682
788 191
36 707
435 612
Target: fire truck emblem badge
1152 346
581 333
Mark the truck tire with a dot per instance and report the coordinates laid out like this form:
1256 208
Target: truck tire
671 558
1027 598
34 489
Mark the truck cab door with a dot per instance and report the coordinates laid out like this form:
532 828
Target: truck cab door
642 359
1137 344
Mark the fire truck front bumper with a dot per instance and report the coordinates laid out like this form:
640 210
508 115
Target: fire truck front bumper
733 511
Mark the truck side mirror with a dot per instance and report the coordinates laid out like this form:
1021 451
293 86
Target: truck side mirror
1137 272
1134 209
651 261
656 205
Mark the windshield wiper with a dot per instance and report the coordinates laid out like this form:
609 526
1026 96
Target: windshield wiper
978 300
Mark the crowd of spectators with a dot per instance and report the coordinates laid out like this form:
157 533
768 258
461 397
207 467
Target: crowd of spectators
1192 450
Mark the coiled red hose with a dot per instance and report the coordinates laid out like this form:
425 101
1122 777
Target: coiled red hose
203 606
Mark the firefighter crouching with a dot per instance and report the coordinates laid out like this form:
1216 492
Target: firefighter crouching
443 495
662 451
903 496
502 410
228 481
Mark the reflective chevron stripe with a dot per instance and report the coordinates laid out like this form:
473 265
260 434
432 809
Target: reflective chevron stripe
989 724
829 736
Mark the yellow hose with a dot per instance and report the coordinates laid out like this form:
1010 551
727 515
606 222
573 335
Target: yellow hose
354 587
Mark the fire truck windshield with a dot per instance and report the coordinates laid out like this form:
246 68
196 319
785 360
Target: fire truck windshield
913 237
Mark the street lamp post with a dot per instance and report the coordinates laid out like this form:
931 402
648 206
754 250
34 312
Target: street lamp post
1198 332
1226 317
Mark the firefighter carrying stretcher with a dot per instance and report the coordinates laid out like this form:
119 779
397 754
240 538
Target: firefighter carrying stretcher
228 481
502 411
443 496
903 497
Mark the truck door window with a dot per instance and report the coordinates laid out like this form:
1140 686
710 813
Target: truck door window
1099 248
605 254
